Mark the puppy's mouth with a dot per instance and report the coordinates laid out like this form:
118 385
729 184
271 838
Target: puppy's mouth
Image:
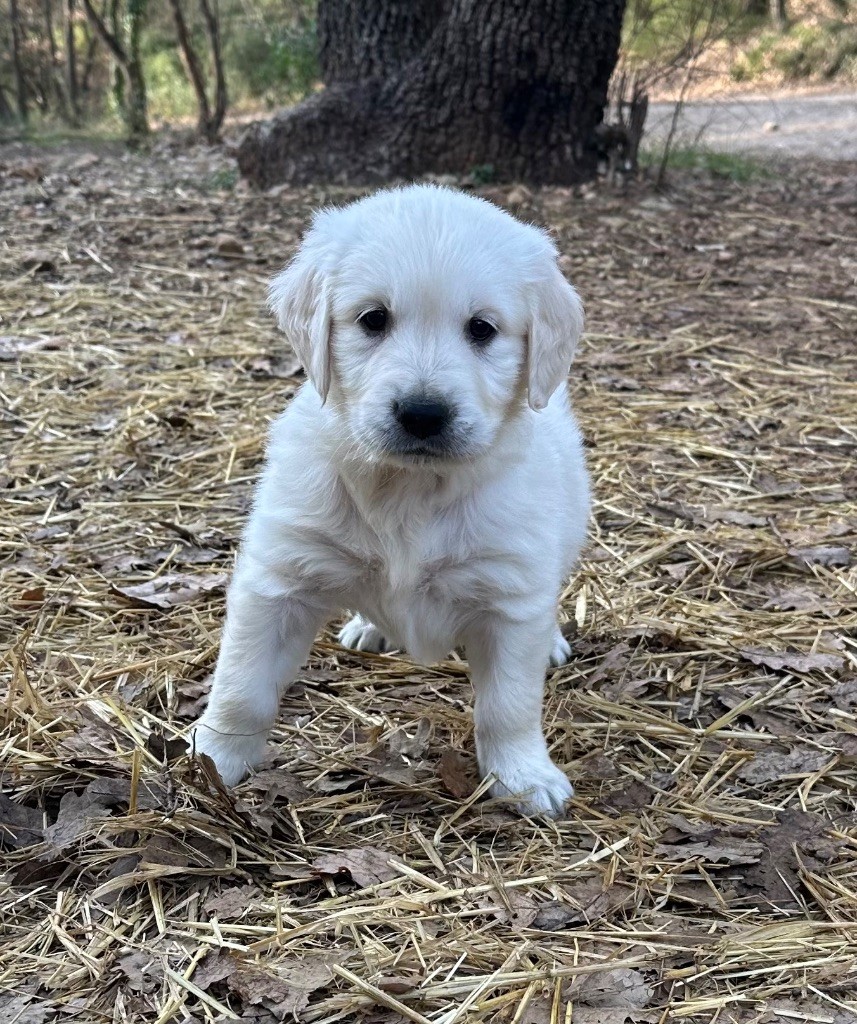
434 452
446 447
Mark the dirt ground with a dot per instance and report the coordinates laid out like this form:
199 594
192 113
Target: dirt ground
707 871
782 125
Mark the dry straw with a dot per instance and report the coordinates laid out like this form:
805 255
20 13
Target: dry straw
708 869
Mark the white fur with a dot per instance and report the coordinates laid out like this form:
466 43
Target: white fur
432 552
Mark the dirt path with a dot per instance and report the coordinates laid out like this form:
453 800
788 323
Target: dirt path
819 126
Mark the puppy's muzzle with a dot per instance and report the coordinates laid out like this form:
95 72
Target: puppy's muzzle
423 418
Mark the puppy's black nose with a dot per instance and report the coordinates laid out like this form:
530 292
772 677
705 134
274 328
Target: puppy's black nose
422 417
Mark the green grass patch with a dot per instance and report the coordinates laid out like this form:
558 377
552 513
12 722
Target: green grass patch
738 167
51 133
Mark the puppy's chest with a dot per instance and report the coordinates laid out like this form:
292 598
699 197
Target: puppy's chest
419 585
417 560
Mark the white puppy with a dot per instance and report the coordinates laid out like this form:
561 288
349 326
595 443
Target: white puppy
429 476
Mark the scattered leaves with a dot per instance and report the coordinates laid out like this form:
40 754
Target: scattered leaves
458 774
791 661
366 866
20 826
171 590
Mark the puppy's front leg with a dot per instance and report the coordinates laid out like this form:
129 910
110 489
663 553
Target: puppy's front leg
507 664
265 641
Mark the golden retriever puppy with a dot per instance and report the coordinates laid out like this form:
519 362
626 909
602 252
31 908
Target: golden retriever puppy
429 476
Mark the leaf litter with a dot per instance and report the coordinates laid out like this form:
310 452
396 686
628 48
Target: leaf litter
708 718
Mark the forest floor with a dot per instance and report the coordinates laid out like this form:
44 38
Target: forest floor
707 871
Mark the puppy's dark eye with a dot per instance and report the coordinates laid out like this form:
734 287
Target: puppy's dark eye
480 330
373 320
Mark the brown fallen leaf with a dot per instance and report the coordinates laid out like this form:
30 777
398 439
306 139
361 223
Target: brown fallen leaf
619 988
108 792
770 765
141 970
718 514
228 245
193 698
458 774
171 590
775 877
616 659
286 991
338 782
25 1008
736 851
513 908
76 814
367 866
216 966
625 689
278 786
411 746
844 694
792 661
797 599
541 1010
586 901
231 904
192 850
834 555
20 826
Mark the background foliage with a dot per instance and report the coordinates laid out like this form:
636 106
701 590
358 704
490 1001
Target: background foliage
270 59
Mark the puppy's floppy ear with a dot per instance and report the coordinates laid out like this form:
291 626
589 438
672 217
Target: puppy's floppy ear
555 329
299 298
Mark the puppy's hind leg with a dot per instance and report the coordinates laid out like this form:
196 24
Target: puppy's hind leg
360 635
265 641
507 665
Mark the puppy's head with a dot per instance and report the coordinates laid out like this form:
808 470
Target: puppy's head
427 319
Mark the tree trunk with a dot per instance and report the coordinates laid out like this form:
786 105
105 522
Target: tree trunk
192 66
514 87
209 122
7 114
129 84
221 97
779 16
136 103
71 64
55 69
17 65
357 41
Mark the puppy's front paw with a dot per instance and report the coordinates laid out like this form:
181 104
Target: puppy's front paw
360 635
560 649
538 786
232 754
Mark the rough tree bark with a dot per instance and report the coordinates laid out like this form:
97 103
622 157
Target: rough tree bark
209 121
357 41
515 85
